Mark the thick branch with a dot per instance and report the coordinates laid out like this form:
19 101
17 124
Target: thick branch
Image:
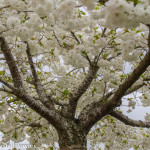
74 97
51 116
93 113
11 63
118 115
102 100
134 88
36 81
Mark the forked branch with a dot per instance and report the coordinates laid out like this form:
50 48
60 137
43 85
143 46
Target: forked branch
74 96
36 80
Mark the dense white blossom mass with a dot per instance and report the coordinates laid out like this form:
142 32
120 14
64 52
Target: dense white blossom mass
64 36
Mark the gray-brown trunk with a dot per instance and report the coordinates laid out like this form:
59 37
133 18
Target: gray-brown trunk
73 138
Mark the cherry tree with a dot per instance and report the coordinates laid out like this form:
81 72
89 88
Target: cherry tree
63 73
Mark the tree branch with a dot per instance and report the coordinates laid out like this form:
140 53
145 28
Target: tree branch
33 125
50 115
103 32
4 31
73 34
102 101
57 40
74 97
11 63
36 81
118 115
5 7
134 88
93 113
85 55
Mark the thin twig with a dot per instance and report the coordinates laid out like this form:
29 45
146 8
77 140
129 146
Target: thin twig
5 7
103 32
73 34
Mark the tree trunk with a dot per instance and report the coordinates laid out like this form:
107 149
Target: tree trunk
72 138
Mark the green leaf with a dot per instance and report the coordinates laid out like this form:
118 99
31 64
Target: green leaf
2 72
66 92
15 135
94 90
135 2
96 37
82 12
142 34
80 36
138 31
52 52
84 53
28 79
41 44
64 44
43 17
50 148
16 119
136 147
95 29
123 76
39 73
42 27
2 103
105 56
104 100
44 135
130 99
115 83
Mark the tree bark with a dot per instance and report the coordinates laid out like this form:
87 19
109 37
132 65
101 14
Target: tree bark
72 138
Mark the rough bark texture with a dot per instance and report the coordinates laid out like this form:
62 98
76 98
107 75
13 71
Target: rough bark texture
73 138
75 96
11 63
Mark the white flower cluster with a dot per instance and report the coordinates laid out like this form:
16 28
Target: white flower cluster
120 136
124 14
145 99
65 9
